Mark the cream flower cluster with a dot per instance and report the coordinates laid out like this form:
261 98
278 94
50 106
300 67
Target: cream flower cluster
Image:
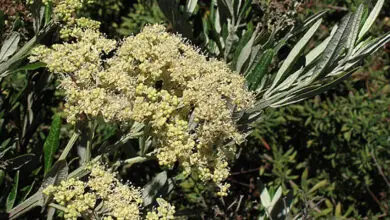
80 198
65 9
165 211
64 12
158 79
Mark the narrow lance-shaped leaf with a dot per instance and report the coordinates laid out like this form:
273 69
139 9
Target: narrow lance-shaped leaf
27 191
372 46
289 80
153 188
31 66
265 198
317 51
23 51
9 47
52 142
307 93
256 75
190 6
337 212
293 56
332 49
244 49
310 20
318 186
354 29
276 196
12 195
48 11
371 18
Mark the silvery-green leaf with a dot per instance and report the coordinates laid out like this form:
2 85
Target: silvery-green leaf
246 51
30 203
277 196
314 18
229 5
154 187
301 96
12 195
333 48
317 51
191 5
293 56
243 45
23 52
354 30
371 18
9 47
255 76
265 198
289 80
372 46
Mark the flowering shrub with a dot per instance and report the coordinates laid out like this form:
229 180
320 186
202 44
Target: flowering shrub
156 79
186 109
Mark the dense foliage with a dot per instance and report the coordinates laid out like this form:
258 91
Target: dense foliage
114 118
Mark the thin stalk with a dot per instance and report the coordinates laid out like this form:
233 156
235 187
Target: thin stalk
131 161
69 146
59 207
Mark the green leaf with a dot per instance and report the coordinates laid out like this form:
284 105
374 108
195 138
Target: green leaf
22 52
243 49
355 29
9 47
371 18
276 196
293 56
333 48
28 190
191 5
52 142
337 211
2 175
12 195
282 207
312 19
31 66
255 76
318 186
312 91
155 188
69 146
317 51
56 174
32 202
372 46
265 198
48 11
304 176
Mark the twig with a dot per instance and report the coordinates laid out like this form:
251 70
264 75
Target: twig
377 200
239 203
240 183
380 169
59 207
69 146
266 145
134 160
245 171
